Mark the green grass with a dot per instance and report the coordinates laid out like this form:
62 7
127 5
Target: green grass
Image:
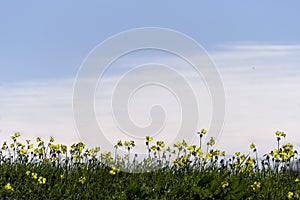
55 171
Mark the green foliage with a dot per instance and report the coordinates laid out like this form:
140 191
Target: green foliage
54 171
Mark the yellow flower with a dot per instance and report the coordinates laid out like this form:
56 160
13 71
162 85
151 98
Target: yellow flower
54 147
288 146
296 180
106 155
82 180
149 139
161 144
112 172
4 146
36 150
199 152
119 144
243 169
62 176
80 146
63 148
177 161
53 158
30 146
183 157
34 175
275 153
23 151
191 148
38 139
76 157
51 139
126 157
203 131
42 180
73 146
237 153
255 186
178 145
216 152
290 195
211 141
174 162
225 184
27 173
209 155
127 143
243 157
97 149
280 133
8 187
153 148
250 161
284 156
236 165
223 153
132 143
258 185
252 146
119 157
17 134
277 133
41 151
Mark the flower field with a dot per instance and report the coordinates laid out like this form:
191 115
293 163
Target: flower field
46 170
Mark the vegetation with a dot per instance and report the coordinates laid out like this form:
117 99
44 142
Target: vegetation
55 171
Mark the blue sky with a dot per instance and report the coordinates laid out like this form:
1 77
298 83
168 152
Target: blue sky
256 46
49 40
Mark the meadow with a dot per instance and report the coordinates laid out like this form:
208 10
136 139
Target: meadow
46 170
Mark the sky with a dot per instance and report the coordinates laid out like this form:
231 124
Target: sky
254 45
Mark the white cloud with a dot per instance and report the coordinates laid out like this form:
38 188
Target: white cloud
35 109
262 84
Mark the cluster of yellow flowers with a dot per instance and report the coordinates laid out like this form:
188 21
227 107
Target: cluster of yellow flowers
114 170
41 180
159 146
129 144
8 187
106 157
292 195
78 147
180 160
186 153
255 185
214 153
286 152
180 145
280 134
195 151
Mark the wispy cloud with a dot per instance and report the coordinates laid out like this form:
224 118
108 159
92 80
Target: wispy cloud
41 108
262 84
